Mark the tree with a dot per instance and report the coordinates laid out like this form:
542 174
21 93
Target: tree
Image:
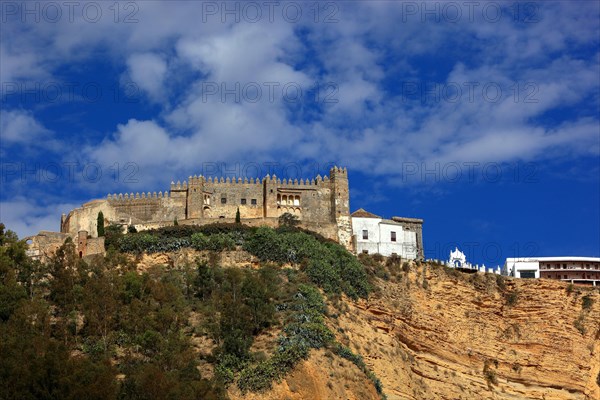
288 220
237 216
100 224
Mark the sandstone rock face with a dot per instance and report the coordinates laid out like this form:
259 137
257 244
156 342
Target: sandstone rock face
459 339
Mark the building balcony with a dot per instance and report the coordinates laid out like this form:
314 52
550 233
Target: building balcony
570 269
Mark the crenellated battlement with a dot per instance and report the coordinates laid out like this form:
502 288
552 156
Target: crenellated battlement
199 181
137 196
338 171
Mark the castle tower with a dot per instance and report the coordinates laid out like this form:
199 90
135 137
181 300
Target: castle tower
81 243
270 197
195 197
178 195
340 204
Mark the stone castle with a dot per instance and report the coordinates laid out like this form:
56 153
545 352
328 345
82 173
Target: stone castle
321 205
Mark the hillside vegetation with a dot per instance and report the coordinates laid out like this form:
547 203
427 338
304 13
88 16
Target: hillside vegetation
226 311
100 329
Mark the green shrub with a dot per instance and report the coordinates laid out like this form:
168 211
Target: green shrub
199 241
587 302
570 288
220 242
288 220
512 298
393 261
258 378
346 353
378 257
220 227
224 374
226 366
315 334
329 265
501 282
489 373
378 385
580 324
265 244
357 360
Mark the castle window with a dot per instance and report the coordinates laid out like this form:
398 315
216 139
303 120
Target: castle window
253 202
365 251
223 200
365 234
243 202
393 236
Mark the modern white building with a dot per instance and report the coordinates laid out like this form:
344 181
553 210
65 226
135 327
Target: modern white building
522 267
582 270
376 235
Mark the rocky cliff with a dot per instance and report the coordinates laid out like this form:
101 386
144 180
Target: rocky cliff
433 333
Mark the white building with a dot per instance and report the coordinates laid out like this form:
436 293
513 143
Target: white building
522 267
458 260
376 235
582 270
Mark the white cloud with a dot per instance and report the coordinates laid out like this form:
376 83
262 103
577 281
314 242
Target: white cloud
148 71
368 53
19 126
27 218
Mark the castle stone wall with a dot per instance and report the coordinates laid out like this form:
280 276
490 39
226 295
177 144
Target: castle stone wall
321 204
43 245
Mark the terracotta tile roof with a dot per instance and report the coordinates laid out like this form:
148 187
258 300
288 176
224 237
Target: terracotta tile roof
362 213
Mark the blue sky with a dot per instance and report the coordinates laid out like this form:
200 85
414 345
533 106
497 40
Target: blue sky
480 117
